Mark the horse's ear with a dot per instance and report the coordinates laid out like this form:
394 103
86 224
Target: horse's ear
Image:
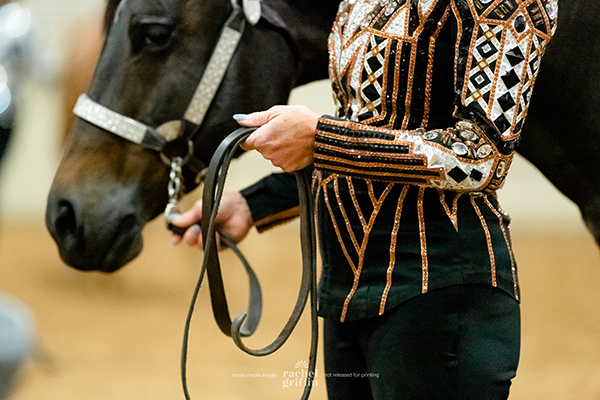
272 17
109 15
300 36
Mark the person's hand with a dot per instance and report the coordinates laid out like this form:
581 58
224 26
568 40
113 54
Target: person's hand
234 220
286 136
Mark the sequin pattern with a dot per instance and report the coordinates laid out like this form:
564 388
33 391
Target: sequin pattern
384 74
382 67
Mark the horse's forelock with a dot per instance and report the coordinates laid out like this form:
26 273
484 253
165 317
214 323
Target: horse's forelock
113 9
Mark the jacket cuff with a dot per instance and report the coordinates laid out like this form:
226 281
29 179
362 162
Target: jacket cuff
273 200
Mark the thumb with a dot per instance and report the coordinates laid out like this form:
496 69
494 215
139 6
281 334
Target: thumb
249 144
258 118
190 217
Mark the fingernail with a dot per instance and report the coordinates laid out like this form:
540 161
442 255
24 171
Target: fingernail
196 229
239 117
172 217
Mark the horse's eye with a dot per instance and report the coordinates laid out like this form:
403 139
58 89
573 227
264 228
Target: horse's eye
150 33
157 34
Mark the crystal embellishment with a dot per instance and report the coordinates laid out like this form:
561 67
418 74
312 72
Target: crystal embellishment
460 149
484 151
390 8
476 175
552 10
469 135
252 11
435 162
464 125
458 174
367 21
520 24
431 135
501 169
110 120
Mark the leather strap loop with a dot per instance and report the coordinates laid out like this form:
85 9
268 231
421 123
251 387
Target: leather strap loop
213 190
245 324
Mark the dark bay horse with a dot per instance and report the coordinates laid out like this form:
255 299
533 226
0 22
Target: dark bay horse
106 188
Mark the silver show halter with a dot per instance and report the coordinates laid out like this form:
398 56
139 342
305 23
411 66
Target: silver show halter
156 138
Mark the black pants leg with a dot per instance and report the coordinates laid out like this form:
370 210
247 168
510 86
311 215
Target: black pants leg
456 343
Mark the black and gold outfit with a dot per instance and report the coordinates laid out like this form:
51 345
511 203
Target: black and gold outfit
432 96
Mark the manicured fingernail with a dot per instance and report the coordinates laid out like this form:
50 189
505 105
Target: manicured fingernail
239 117
172 217
196 229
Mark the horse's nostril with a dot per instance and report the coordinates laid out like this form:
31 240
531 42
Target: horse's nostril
66 222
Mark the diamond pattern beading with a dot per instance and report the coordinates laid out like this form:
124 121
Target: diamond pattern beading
510 79
485 58
515 56
372 76
512 59
506 101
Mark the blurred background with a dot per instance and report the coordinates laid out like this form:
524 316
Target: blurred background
118 336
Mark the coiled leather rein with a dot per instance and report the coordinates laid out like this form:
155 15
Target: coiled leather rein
213 190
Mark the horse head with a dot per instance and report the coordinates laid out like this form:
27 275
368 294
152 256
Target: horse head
155 52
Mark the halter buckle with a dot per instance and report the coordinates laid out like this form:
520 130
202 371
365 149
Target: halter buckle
177 149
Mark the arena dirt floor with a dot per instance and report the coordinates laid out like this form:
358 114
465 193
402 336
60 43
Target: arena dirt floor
118 337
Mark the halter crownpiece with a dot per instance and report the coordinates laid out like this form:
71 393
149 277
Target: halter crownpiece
215 71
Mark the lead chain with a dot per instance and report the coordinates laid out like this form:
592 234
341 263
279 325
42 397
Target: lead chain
174 188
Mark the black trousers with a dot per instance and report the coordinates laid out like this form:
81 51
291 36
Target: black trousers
457 343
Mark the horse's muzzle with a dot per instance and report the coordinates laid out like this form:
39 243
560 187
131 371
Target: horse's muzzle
100 241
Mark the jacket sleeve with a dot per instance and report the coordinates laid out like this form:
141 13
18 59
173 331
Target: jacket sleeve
498 50
273 200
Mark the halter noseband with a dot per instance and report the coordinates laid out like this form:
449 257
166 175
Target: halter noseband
118 124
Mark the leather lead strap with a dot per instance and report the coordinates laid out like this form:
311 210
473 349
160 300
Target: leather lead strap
211 198
245 324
